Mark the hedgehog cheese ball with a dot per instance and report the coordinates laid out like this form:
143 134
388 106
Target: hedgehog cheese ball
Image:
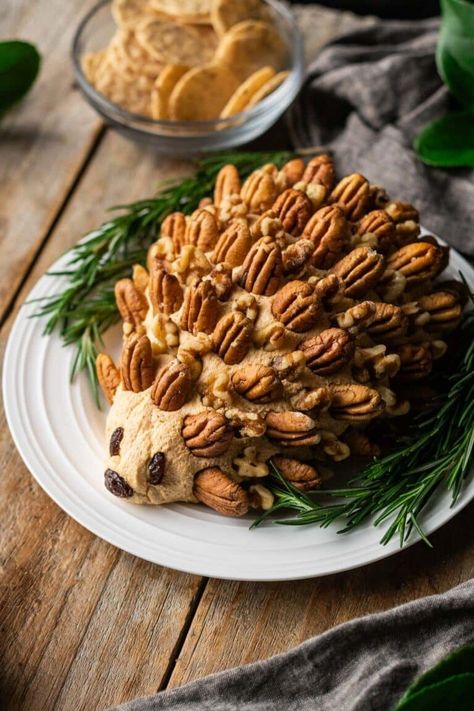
270 327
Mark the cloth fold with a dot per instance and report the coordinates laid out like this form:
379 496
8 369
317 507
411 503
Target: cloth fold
366 97
363 665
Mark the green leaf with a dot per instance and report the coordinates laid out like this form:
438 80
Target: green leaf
19 65
448 142
459 662
453 694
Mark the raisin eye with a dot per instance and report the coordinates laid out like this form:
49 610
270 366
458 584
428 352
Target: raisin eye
115 440
117 484
156 468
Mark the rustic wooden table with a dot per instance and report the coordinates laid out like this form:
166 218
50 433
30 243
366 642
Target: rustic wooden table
84 625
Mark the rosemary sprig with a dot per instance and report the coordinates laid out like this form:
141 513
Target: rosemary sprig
86 308
436 452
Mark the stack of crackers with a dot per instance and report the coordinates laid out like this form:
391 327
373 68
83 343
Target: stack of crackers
189 60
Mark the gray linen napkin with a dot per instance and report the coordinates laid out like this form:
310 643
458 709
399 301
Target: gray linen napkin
367 95
363 665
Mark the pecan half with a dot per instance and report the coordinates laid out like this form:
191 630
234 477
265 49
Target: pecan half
454 287
174 227
172 386
257 383
329 232
320 169
360 445
165 291
117 485
199 313
328 288
380 224
417 262
444 309
262 270
215 489
299 474
260 191
202 230
297 306
352 194
293 170
329 351
136 365
232 337
296 255
387 323
406 219
227 183
207 434
234 244
292 429
131 303
359 271
293 208
416 362
352 402
108 376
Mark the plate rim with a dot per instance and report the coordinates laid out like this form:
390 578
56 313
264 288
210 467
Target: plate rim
86 517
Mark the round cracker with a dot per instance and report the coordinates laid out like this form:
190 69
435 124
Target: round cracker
250 45
128 13
164 85
171 43
184 10
226 13
268 88
202 93
242 95
135 56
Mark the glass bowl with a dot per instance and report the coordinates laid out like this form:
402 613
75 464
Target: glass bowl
185 137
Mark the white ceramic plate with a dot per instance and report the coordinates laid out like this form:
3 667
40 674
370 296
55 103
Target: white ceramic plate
59 434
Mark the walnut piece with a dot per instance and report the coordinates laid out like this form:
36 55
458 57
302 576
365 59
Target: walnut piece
262 270
257 383
359 271
292 429
206 434
248 465
299 474
108 376
172 386
297 255
329 351
136 365
217 490
297 306
232 337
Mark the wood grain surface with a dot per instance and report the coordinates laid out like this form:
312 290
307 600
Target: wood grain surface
83 625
